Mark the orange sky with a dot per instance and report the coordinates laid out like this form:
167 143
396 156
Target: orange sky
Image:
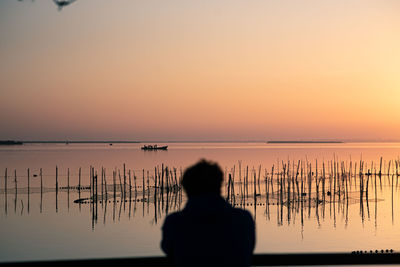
200 70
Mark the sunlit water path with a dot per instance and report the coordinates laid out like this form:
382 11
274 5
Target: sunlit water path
41 217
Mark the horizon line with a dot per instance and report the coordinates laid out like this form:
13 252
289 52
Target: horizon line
208 141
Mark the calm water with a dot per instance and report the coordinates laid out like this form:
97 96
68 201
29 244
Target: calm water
48 225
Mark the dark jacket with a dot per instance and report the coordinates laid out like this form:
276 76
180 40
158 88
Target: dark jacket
209 232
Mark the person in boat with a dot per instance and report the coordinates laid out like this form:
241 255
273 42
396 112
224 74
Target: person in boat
208 231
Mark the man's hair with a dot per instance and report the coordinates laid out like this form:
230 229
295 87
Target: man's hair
203 178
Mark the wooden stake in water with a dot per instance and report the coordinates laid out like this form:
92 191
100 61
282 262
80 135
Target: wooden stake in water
130 186
229 186
68 189
28 190
143 184
15 182
105 183
28 183
102 182
90 180
114 174
79 183
56 178
134 181
120 181
56 188
41 189
272 180
166 178
5 191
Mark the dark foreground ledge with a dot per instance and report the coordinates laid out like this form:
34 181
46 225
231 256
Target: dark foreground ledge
258 260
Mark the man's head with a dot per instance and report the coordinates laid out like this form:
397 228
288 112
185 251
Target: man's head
203 178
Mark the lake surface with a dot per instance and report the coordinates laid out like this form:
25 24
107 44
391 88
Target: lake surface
40 222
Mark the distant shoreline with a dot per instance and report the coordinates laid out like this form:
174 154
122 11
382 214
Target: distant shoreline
74 142
20 142
80 142
304 142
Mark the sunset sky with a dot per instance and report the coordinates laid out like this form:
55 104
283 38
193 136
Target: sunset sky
200 70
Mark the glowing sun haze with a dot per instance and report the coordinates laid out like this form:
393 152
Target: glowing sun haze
200 70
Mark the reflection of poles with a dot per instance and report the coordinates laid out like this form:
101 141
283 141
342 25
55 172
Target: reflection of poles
323 189
272 180
366 200
105 186
56 189
120 208
317 213
309 188
317 181
376 205
266 195
92 188
397 171
240 178
355 176
28 190
143 205
255 204
162 187
5 192
148 191
114 195
124 185
143 186
167 200
392 202
229 188
135 201
90 180
247 182
105 211
361 197
366 188
68 188
102 183
120 189
41 190
258 181
333 193
79 188
155 195
114 189
16 190
96 196
347 212
130 193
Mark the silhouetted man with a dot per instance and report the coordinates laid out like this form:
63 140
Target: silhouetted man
208 231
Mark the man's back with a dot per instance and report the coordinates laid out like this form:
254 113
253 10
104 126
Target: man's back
209 232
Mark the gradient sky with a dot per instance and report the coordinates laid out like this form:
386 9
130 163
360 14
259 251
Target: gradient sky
200 70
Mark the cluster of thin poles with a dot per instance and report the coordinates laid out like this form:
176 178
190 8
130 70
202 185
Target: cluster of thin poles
291 184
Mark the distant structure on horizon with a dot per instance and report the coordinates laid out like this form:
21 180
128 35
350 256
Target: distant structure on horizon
10 142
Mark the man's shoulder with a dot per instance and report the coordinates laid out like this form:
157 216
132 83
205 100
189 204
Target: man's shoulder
173 218
242 214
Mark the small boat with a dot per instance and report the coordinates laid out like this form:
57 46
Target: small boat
154 147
